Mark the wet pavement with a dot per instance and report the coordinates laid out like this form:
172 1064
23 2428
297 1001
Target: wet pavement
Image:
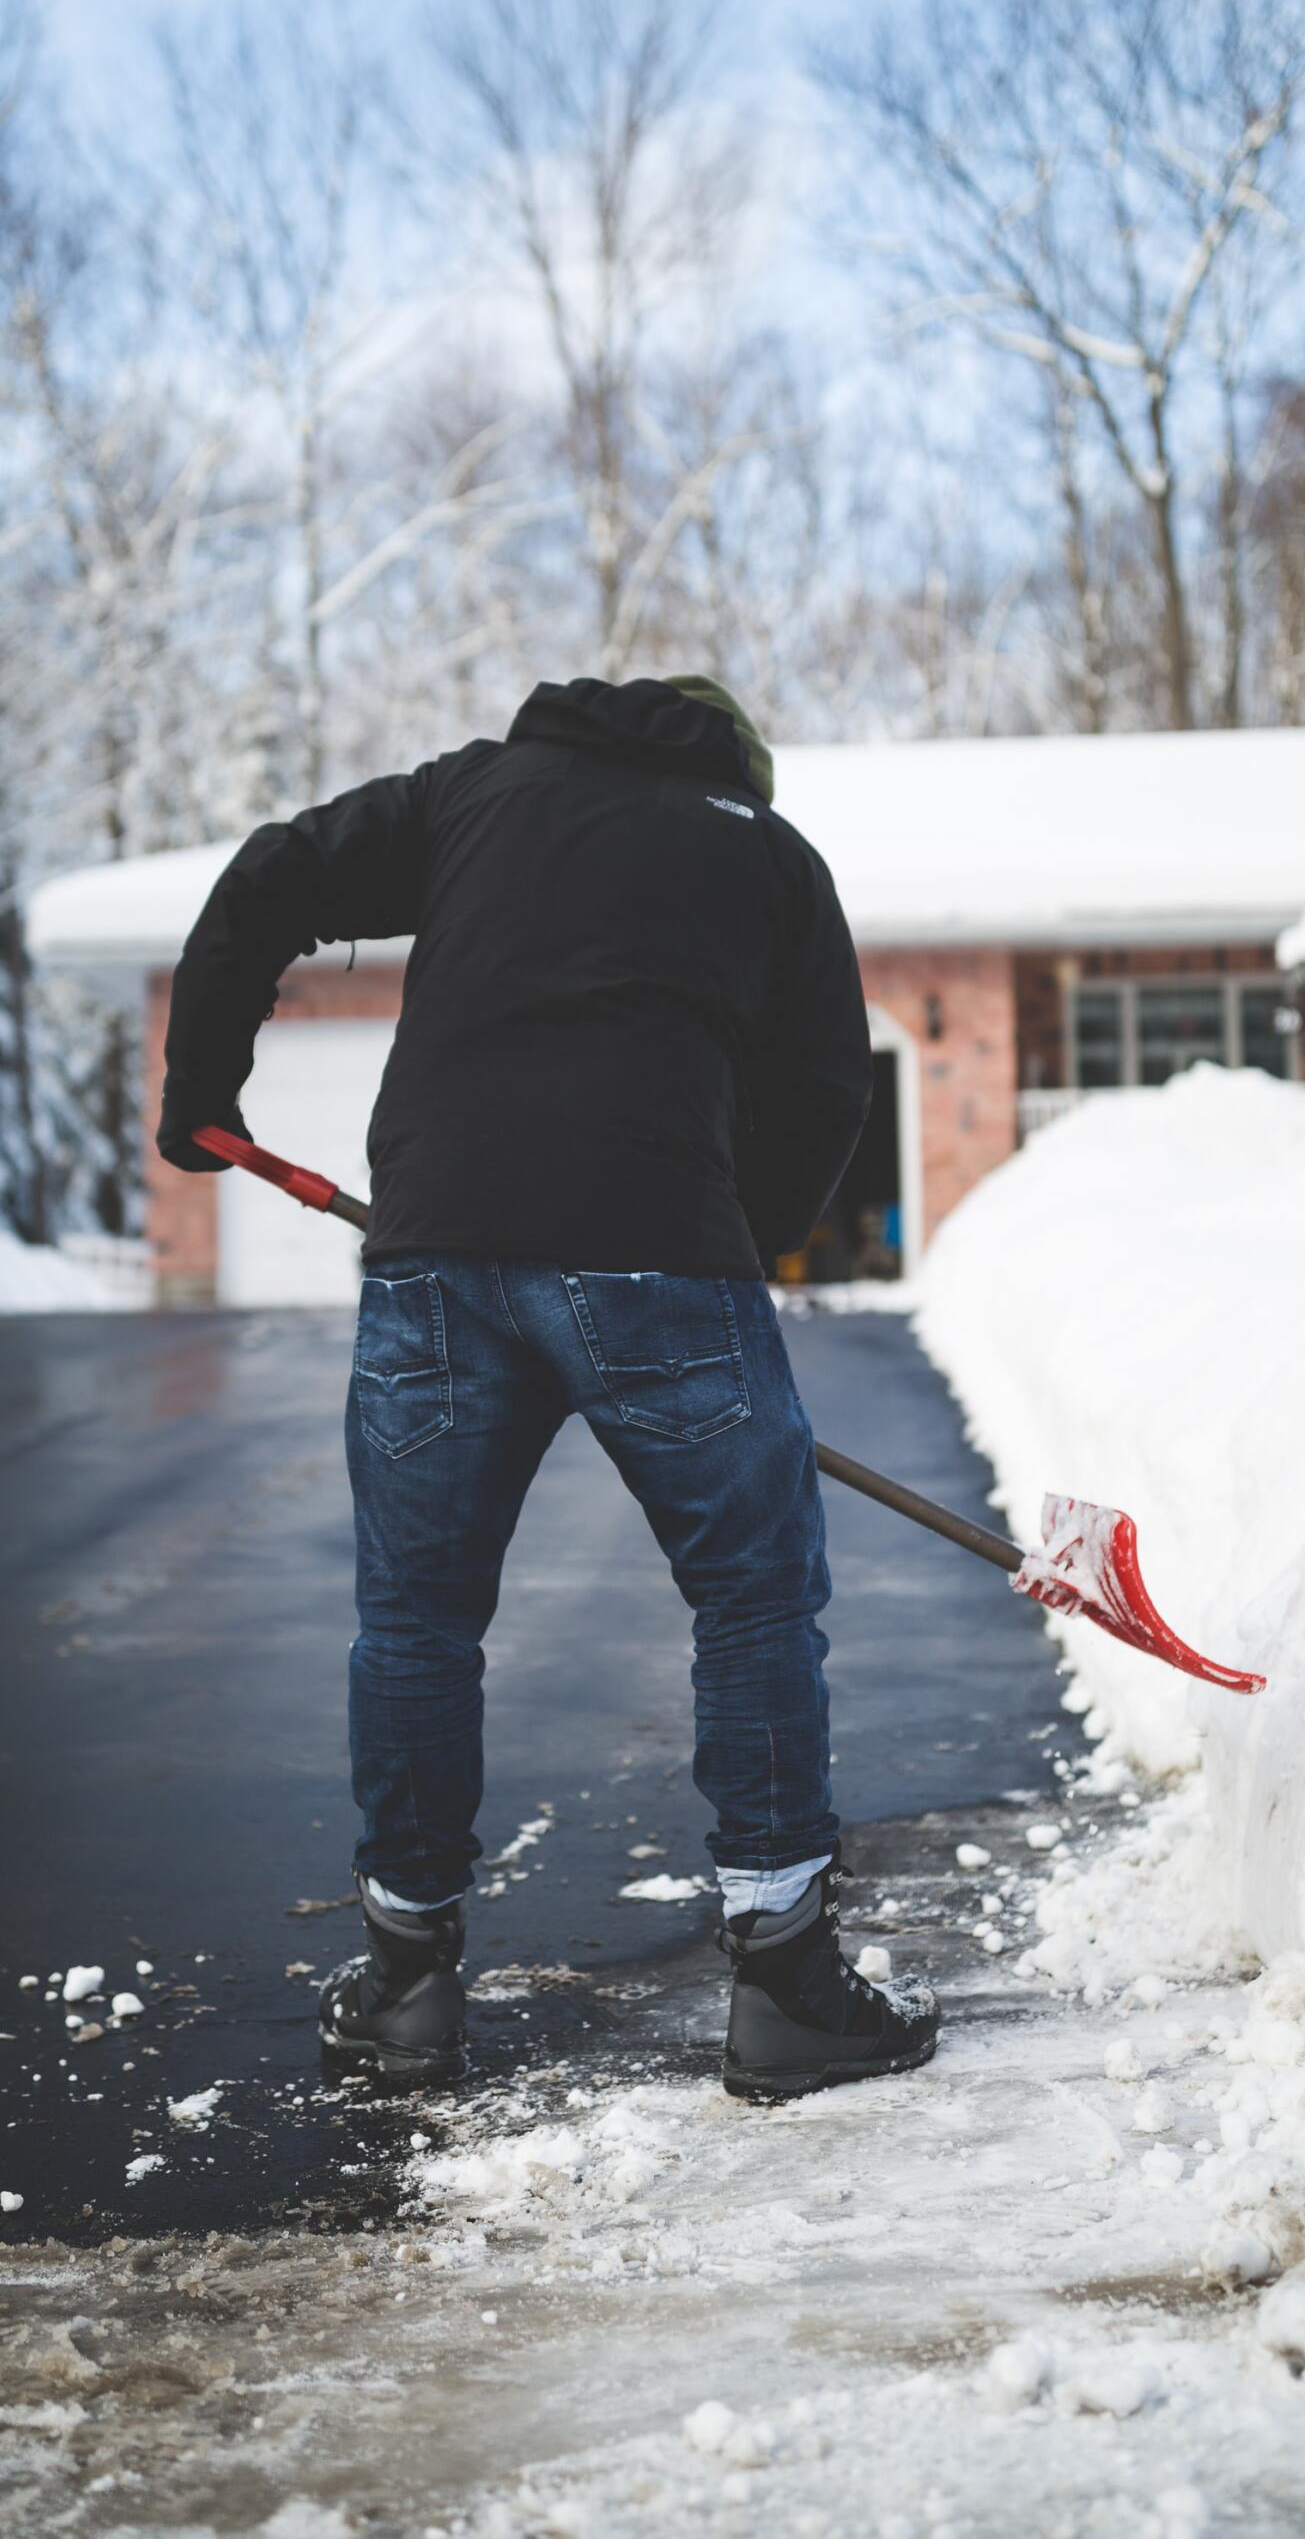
175 1541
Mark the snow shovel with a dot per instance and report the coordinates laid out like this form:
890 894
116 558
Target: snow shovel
1085 1564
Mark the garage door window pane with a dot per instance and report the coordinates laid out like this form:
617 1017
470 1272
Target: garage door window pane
1177 1027
1263 1045
1099 1030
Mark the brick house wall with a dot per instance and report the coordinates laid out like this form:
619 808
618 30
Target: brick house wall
180 1208
959 1009
1041 980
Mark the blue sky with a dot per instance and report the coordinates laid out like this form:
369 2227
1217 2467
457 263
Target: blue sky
103 50
104 44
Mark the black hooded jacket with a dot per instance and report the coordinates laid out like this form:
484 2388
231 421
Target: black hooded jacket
633 1032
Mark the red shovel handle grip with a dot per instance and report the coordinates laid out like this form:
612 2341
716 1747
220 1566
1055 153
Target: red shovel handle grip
312 1189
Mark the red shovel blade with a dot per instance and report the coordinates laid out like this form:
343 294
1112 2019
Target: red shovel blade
313 1189
1087 1563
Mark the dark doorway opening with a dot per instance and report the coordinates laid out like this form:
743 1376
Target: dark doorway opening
860 1234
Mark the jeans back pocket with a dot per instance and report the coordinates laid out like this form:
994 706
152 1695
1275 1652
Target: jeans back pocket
667 1348
401 1362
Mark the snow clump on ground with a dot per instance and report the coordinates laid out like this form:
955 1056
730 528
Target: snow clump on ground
663 1889
198 2110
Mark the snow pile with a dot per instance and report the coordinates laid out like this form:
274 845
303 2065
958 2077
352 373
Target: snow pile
1118 1308
1252 2183
1069 2165
605 2161
35 1279
1152 1909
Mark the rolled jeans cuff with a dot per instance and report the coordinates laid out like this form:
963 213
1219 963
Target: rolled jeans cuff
767 1890
403 1903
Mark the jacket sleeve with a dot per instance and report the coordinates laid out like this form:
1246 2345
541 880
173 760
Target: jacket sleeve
810 1088
352 867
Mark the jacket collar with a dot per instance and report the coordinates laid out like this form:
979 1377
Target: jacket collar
643 721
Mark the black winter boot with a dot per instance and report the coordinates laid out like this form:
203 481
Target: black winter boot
401 2006
801 2018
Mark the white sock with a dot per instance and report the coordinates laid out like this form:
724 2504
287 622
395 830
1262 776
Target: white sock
402 1903
767 1890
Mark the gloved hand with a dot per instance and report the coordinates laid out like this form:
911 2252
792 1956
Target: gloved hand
174 1140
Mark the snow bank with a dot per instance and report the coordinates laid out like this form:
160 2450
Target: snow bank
35 1279
1119 1310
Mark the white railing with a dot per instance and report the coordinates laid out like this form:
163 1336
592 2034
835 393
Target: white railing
121 1261
1039 1108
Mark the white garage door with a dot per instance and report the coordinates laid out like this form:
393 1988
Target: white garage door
310 1098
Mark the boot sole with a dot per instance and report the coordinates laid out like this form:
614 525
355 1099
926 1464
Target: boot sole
398 2062
766 2087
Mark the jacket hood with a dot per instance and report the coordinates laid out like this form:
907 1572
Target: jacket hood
643 720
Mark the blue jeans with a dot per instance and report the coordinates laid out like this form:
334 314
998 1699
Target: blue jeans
464 1370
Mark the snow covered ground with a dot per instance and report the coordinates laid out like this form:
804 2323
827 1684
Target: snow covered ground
1016 2291
36 1279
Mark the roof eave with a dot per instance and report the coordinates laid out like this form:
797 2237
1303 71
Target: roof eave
1077 930
1083 930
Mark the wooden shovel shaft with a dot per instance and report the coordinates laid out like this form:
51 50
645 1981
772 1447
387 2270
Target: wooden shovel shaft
922 1511
353 1211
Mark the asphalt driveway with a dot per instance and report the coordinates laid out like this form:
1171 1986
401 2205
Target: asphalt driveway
176 1554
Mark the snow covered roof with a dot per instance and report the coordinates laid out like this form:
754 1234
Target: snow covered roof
1163 837
143 908
1167 837
136 915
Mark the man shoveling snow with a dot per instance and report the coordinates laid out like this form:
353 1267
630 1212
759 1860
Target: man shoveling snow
631 1066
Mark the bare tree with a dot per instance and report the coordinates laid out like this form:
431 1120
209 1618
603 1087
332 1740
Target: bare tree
736 423
607 174
1065 178
270 122
1085 659
452 644
278 130
1276 572
62 542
